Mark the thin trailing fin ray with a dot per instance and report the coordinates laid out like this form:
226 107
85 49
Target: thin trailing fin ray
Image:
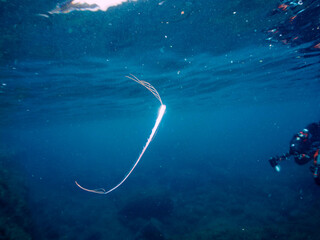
147 86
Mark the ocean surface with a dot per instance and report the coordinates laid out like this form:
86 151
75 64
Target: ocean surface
239 79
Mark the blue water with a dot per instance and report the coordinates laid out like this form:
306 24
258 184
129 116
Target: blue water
234 98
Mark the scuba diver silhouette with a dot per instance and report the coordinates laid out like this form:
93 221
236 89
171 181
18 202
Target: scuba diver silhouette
304 147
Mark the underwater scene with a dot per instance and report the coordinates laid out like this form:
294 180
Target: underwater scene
160 119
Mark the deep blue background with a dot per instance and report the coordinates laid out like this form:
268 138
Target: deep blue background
233 100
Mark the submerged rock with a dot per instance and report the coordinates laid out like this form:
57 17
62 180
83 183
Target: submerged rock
150 231
145 216
146 208
14 215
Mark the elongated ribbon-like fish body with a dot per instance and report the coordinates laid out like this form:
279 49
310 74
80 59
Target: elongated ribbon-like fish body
154 130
